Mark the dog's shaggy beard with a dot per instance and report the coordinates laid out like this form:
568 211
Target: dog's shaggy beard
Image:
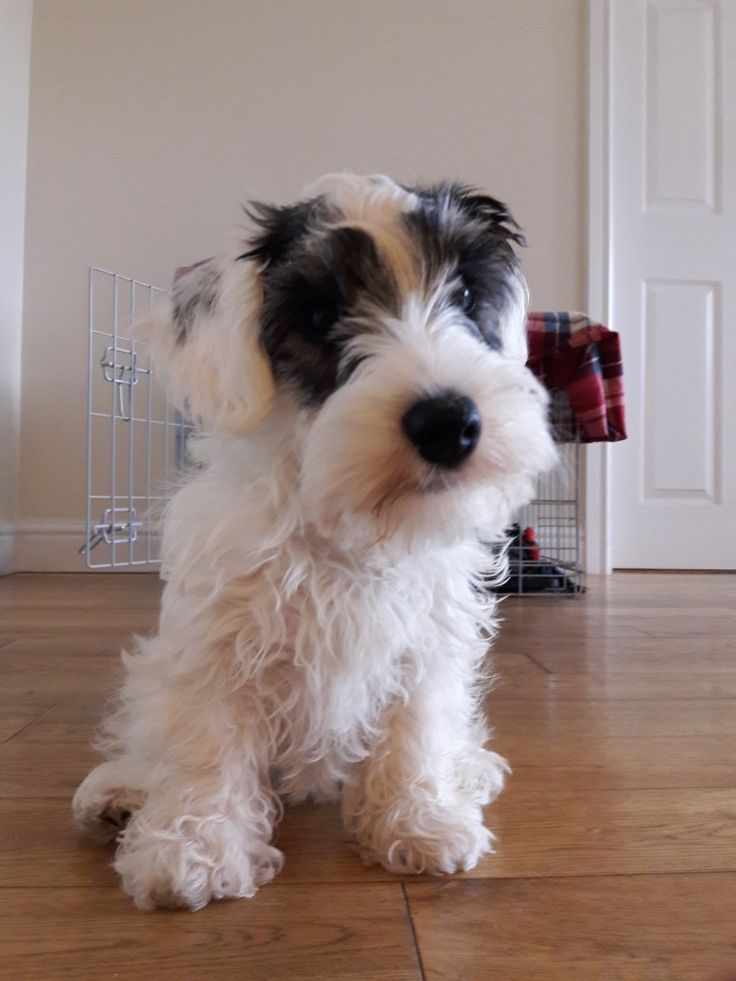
361 484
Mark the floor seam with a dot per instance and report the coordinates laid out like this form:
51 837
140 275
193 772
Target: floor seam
413 929
31 723
536 663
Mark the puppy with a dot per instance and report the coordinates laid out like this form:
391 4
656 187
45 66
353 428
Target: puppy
356 374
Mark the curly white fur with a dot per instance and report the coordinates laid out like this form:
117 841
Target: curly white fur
321 626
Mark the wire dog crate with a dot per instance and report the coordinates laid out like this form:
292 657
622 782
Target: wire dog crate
136 443
136 450
545 551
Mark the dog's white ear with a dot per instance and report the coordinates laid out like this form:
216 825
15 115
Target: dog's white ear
205 341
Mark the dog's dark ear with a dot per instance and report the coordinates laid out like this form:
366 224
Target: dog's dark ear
493 213
279 229
489 212
500 232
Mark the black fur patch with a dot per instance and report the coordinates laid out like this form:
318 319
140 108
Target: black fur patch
196 292
313 294
281 229
323 284
461 233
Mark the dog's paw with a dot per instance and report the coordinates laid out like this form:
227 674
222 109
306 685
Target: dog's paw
459 851
106 799
189 864
482 775
434 840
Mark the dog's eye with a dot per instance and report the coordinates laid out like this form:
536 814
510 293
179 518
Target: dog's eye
322 319
463 297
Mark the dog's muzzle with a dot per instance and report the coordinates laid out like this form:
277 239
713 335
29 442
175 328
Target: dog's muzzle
444 429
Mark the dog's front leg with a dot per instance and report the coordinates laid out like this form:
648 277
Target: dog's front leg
416 804
204 829
191 734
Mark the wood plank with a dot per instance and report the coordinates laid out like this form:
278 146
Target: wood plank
515 670
538 835
14 718
24 675
555 832
71 720
610 763
40 770
49 621
546 834
99 643
27 590
285 932
39 848
649 656
596 685
638 928
635 718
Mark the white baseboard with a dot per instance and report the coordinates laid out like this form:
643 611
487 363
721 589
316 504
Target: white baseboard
44 545
6 548
47 545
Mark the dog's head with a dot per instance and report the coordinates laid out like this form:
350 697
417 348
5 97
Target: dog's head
392 321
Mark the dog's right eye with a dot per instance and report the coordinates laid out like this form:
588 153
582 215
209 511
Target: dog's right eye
322 320
463 297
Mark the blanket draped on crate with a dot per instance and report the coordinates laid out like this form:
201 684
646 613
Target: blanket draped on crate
569 351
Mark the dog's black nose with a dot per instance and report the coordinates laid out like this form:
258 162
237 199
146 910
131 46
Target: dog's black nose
444 429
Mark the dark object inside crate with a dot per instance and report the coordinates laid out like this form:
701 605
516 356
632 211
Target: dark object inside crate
530 571
544 550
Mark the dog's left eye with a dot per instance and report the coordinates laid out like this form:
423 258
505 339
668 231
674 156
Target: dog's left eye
463 297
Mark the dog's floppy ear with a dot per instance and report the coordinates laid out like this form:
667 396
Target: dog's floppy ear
205 340
206 337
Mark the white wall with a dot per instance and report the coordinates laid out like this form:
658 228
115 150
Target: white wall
15 61
152 120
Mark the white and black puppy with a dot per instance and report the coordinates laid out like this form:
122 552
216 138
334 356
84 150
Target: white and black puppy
357 375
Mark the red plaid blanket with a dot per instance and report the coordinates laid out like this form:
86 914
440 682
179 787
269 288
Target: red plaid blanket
569 351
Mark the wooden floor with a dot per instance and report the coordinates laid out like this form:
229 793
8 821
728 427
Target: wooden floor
616 851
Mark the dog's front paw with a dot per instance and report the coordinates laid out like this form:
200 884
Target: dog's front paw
106 799
191 862
427 838
459 850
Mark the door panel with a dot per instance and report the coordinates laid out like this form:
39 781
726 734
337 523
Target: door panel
673 279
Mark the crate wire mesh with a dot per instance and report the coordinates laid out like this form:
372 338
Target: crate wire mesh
136 443
545 554
136 449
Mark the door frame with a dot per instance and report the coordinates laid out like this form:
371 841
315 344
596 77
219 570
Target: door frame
597 494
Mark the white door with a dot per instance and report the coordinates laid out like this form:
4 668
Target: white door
673 280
